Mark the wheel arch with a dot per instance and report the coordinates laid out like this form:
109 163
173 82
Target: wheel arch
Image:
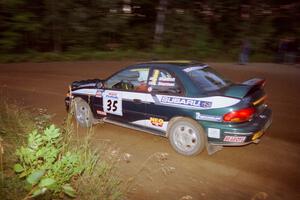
85 98
200 138
83 102
171 121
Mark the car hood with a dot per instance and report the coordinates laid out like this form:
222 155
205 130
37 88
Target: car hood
90 83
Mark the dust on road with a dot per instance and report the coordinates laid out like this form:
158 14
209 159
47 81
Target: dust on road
269 170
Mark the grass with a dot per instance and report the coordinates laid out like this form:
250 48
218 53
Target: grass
103 181
99 179
15 122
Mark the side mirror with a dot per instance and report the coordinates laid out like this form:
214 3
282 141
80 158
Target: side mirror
100 85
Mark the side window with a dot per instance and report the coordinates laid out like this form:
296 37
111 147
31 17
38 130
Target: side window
131 80
162 82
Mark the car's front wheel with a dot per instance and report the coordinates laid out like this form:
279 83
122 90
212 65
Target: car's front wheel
186 136
83 113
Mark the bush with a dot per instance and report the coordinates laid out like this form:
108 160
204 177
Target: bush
45 165
52 162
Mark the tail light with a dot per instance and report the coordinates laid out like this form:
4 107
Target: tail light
241 115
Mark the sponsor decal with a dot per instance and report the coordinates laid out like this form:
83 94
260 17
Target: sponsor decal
167 84
112 95
156 121
112 103
163 81
147 123
200 116
154 78
234 138
198 103
167 79
99 93
100 112
213 132
185 101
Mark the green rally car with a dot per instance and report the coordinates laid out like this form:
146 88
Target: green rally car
187 102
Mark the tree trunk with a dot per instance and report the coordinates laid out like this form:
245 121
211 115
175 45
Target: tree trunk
160 21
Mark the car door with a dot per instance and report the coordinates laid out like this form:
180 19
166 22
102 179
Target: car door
125 96
162 84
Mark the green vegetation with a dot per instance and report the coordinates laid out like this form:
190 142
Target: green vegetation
53 30
15 122
45 165
38 160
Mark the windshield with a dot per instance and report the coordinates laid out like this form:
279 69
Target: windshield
206 78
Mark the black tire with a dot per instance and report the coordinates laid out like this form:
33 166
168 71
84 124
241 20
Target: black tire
83 113
186 136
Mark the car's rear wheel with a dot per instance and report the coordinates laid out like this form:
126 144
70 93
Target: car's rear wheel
186 136
83 113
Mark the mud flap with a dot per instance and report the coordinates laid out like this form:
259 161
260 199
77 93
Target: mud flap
211 149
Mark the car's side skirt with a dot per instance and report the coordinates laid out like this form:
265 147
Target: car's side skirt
134 127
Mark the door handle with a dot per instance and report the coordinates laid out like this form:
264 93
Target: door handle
137 101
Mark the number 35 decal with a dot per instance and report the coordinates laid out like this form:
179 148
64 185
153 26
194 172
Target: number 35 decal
112 102
112 105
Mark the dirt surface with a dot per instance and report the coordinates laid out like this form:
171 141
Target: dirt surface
269 170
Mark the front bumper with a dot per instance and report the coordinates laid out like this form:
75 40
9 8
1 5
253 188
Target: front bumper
67 103
242 133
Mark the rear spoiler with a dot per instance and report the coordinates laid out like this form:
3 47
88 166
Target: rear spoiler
245 88
255 84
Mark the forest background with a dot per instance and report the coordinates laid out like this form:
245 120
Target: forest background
45 30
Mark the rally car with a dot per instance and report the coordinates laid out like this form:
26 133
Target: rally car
185 101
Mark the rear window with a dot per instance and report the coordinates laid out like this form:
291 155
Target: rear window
206 78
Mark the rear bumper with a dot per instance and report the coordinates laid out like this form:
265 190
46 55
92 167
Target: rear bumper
241 134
